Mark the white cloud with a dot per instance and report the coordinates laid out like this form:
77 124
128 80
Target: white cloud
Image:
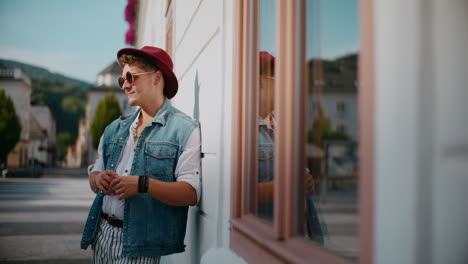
70 64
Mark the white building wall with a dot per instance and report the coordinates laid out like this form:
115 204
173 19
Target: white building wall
450 139
396 170
202 47
107 79
348 118
35 153
421 149
20 94
152 23
46 121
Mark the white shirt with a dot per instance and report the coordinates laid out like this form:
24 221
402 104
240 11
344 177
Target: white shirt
187 169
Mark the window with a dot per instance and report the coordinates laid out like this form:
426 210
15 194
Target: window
108 81
294 187
341 128
340 107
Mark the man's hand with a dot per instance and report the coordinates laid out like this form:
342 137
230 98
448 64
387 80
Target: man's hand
125 186
103 181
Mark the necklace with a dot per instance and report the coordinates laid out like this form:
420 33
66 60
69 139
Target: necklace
134 130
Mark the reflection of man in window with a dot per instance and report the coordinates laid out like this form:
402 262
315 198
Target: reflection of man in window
266 138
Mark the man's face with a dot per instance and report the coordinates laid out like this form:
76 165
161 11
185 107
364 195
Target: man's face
143 89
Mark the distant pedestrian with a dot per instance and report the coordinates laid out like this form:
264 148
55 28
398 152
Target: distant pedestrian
148 168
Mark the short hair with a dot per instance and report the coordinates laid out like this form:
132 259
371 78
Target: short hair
137 60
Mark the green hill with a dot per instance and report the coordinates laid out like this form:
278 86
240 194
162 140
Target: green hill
38 73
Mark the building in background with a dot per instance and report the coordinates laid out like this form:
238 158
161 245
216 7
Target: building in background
47 148
106 83
37 142
77 155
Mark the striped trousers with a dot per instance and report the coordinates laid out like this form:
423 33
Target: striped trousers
107 247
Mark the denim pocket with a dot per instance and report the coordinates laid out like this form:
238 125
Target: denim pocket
160 160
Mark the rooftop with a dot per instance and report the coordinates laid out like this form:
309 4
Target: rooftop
113 68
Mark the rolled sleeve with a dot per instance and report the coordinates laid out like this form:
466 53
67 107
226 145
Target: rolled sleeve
98 164
188 168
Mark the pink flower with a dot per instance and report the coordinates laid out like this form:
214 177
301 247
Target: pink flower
130 12
130 17
130 36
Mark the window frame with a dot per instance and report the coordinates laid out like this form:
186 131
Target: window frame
250 237
169 28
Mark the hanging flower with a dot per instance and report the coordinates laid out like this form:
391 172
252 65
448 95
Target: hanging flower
130 11
130 17
130 36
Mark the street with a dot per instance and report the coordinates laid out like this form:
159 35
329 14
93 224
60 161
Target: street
41 220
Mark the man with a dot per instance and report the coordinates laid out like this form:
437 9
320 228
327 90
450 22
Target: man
148 168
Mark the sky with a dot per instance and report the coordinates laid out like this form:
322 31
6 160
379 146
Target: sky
80 38
336 26
74 38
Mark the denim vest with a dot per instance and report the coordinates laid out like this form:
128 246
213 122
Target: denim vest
151 228
266 147
266 168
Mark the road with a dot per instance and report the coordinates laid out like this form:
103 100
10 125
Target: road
41 220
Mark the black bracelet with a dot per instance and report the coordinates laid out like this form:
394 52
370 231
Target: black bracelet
146 184
143 183
140 184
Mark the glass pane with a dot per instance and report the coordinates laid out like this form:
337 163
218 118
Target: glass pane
266 120
330 179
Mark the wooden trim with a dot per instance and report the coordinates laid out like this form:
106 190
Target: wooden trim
303 111
254 113
289 161
262 246
288 123
169 29
280 155
236 158
251 250
366 98
168 6
243 123
250 237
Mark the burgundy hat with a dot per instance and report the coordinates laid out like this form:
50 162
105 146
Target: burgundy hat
160 59
267 62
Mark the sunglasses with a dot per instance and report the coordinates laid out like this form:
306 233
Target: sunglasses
129 77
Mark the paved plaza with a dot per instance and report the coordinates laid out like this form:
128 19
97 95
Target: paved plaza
41 220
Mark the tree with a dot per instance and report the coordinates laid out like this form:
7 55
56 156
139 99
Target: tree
10 127
322 129
107 111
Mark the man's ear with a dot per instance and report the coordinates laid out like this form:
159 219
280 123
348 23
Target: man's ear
157 78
